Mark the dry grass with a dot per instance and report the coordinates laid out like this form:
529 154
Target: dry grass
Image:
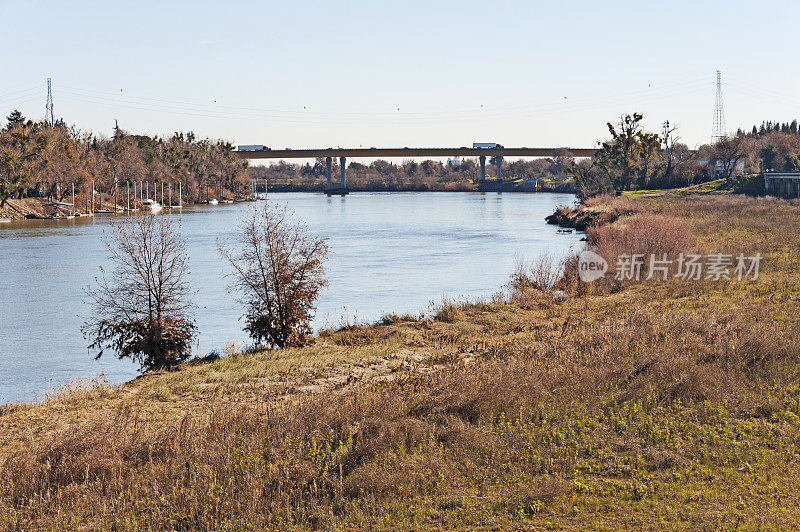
642 233
666 405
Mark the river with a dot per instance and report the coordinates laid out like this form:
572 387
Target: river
389 252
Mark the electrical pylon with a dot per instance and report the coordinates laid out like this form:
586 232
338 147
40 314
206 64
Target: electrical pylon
49 116
719 114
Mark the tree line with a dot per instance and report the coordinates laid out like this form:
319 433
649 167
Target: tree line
634 159
38 159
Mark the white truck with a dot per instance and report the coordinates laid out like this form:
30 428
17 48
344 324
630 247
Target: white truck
486 145
253 147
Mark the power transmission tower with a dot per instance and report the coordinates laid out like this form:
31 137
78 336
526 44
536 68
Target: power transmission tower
49 116
719 114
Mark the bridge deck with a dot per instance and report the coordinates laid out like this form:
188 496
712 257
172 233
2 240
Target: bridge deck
412 152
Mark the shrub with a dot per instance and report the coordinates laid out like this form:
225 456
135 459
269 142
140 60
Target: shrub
279 272
141 310
643 233
531 281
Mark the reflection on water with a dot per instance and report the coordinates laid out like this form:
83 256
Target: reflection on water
394 252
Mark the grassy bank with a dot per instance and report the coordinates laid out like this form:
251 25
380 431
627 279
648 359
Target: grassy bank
657 405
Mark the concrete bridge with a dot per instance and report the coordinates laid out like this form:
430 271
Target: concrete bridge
785 184
340 187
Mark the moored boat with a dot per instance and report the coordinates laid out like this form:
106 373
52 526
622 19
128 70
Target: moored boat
151 204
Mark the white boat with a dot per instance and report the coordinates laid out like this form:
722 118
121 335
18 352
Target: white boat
212 201
153 205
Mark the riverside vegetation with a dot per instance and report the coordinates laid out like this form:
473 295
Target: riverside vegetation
43 161
654 405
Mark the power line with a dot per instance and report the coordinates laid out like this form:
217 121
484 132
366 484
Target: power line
718 131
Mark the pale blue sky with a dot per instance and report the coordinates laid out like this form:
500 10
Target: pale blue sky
413 73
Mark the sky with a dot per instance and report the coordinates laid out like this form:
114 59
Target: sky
393 74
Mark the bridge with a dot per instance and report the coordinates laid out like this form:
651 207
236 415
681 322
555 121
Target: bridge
340 188
785 184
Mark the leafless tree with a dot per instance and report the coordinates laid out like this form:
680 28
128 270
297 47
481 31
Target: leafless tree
676 155
141 310
278 271
729 152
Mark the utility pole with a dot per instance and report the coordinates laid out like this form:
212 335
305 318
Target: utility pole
49 116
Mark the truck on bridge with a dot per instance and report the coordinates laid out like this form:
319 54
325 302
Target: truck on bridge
486 145
253 147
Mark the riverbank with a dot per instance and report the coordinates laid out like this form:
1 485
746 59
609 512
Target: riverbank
43 209
651 405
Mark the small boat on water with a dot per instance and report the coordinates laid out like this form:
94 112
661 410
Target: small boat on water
50 216
212 201
153 205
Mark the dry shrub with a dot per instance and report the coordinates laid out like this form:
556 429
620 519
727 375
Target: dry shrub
533 281
446 311
644 233
571 283
599 200
393 318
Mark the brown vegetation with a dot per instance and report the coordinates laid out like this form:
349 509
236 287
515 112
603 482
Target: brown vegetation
140 310
279 270
644 234
667 405
41 160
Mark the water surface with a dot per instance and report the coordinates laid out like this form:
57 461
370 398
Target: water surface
390 252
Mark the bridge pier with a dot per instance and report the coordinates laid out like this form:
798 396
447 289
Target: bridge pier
495 185
328 162
338 189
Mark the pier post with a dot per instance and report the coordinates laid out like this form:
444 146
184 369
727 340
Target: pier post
127 197
170 194
180 193
498 162
343 163
73 199
328 163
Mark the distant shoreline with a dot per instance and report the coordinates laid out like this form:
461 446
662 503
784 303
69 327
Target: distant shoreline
565 188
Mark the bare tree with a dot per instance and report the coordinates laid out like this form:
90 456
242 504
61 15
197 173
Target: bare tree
279 272
676 155
141 310
728 152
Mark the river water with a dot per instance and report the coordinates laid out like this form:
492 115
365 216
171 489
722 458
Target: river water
389 252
